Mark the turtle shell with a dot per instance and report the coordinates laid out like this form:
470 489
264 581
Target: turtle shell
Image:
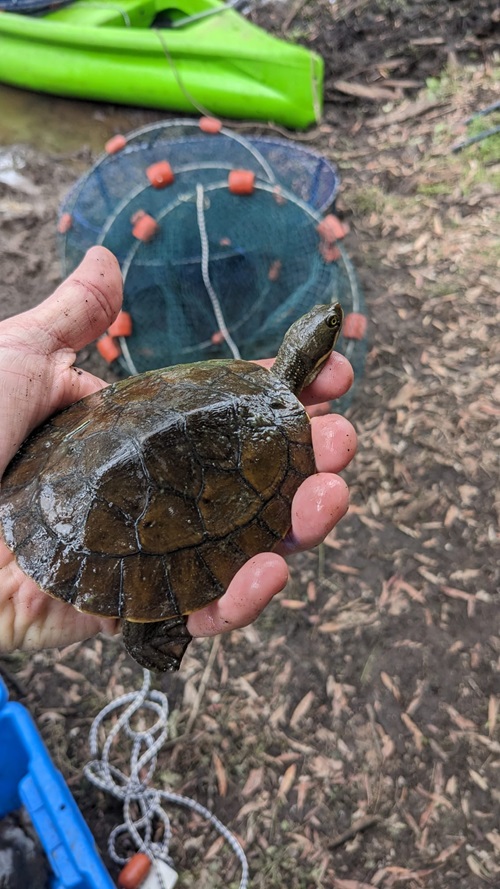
143 500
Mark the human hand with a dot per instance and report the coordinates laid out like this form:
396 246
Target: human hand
38 378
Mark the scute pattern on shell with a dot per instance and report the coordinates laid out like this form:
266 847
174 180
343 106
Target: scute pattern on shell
143 500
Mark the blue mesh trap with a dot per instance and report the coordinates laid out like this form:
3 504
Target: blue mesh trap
28 6
222 241
117 183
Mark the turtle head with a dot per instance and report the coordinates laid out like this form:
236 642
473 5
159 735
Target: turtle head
306 346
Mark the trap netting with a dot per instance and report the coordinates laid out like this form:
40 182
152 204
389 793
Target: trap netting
221 240
27 6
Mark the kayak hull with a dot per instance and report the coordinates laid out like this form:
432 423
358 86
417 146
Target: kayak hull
220 64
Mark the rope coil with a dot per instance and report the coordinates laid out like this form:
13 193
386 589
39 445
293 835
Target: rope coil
133 789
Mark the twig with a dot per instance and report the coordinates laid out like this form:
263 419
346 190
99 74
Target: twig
406 112
355 828
203 684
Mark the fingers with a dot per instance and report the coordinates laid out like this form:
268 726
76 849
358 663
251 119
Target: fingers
333 381
249 592
81 308
334 442
77 383
322 499
318 505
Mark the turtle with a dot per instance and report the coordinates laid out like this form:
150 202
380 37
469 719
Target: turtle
141 501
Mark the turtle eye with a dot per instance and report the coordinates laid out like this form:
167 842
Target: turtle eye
332 321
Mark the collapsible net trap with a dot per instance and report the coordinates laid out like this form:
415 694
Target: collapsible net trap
28 6
221 239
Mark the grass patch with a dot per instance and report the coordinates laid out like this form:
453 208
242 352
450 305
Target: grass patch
373 199
431 189
486 151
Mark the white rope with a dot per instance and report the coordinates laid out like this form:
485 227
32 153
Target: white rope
200 211
142 804
127 357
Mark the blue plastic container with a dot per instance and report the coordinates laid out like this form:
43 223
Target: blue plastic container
29 778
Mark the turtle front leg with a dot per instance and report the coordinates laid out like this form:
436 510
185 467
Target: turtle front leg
157 646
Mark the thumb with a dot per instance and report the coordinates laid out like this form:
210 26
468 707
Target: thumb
81 308
38 348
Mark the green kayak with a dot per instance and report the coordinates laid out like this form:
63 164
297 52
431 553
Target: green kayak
199 55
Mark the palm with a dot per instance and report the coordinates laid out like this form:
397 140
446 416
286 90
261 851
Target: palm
34 620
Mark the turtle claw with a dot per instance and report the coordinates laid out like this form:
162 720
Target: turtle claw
159 645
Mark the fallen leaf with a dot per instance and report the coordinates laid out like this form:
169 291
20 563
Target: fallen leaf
253 782
287 780
220 773
301 709
461 721
478 779
447 853
417 734
493 705
390 685
293 604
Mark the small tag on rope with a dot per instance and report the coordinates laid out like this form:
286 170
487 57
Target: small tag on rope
140 872
161 876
